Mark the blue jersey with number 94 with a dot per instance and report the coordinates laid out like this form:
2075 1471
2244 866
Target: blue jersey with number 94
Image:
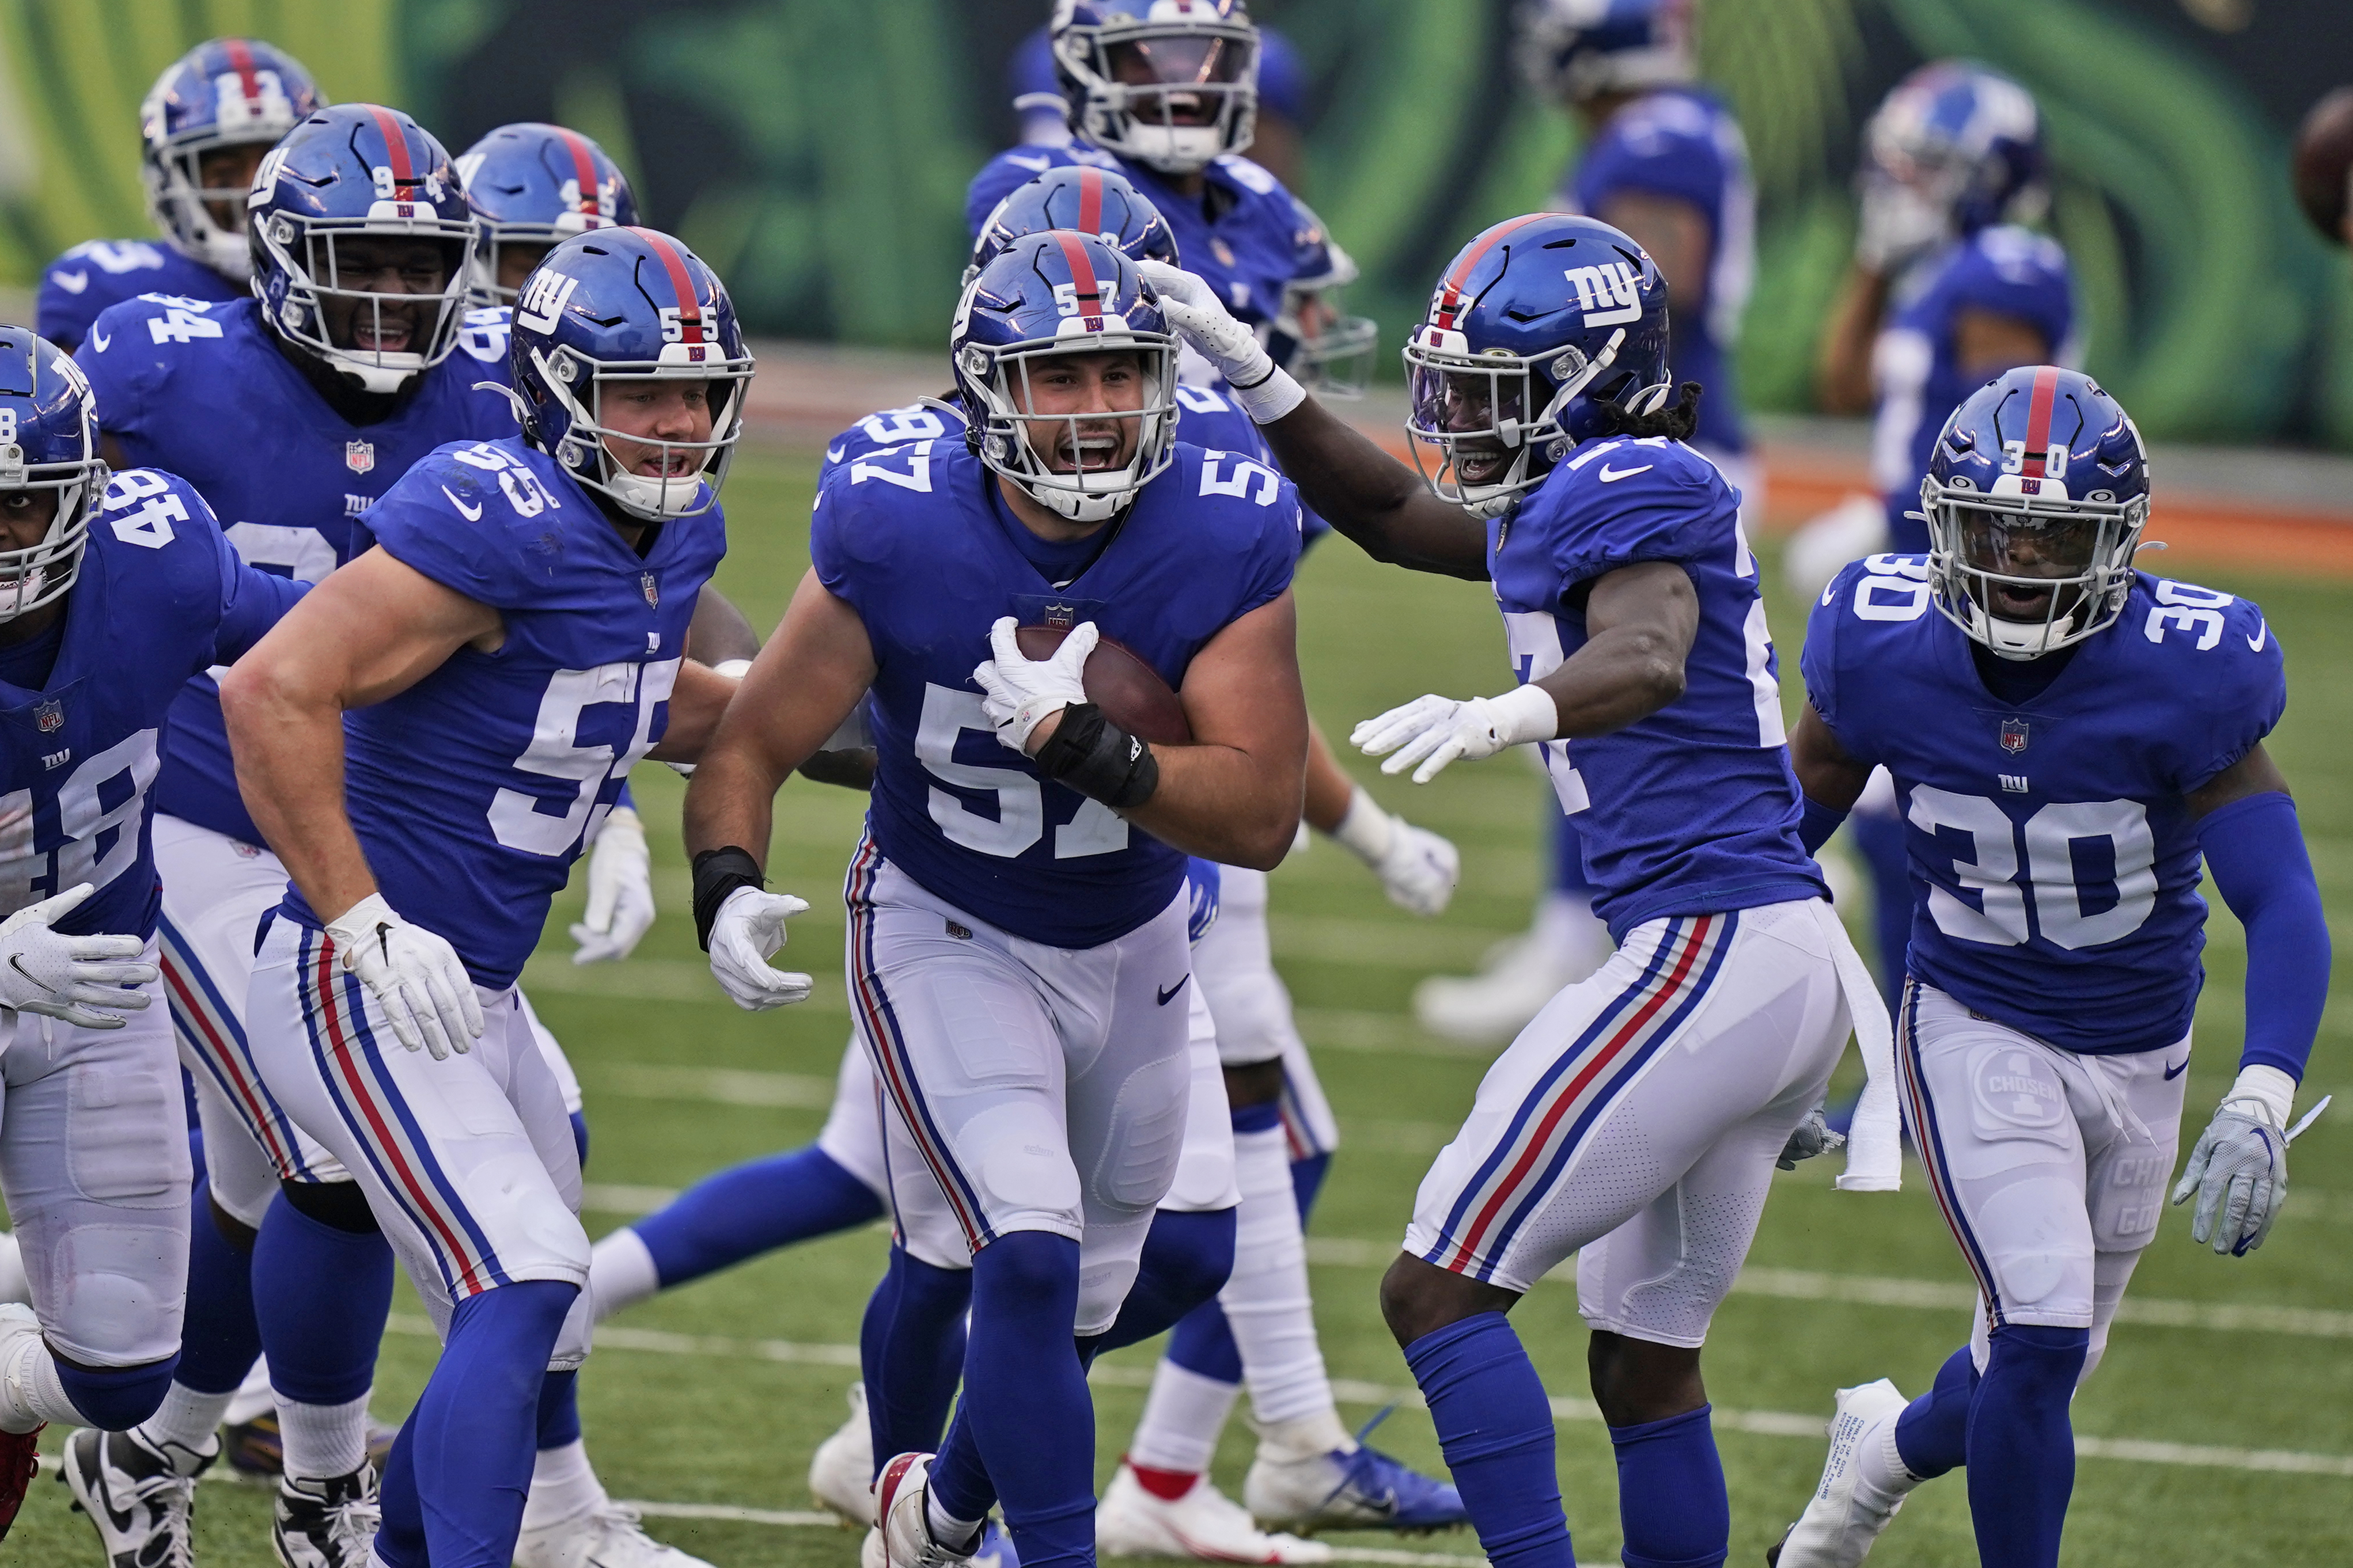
2054 863
473 791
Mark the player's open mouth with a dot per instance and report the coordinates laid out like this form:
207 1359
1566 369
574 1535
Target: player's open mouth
1479 465
664 465
390 335
1094 454
2013 603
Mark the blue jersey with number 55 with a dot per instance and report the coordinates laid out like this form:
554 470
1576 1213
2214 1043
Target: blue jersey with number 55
916 539
202 390
2055 862
473 791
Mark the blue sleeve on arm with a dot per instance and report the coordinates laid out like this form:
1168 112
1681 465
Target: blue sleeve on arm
1815 827
251 603
2255 852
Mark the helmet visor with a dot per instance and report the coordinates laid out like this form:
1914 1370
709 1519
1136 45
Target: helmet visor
2025 567
1180 78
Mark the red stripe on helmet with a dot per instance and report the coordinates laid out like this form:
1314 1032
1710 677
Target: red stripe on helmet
583 169
2038 418
1090 201
1082 274
1450 300
690 308
240 60
395 143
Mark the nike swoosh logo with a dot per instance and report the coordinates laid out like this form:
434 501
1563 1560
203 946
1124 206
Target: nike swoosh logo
16 963
1039 164
833 454
2172 1073
99 341
1166 997
71 282
470 513
1611 476
2263 634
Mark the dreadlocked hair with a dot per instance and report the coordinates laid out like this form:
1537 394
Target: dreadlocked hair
1677 423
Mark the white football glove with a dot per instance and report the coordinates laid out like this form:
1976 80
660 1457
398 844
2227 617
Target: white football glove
747 931
1435 731
1265 393
2238 1169
1418 869
1022 691
1895 226
414 974
81 979
620 890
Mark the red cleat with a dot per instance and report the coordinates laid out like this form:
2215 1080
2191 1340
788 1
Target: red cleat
20 1461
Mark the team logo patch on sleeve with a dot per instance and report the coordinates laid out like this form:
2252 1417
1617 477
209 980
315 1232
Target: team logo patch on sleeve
359 456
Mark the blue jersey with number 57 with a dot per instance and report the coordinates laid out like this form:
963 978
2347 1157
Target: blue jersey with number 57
160 596
2055 862
202 390
916 539
1693 809
473 791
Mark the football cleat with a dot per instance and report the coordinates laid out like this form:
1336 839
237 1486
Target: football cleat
255 1449
905 1531
1204 1523
329 1523
842 1472
140 1498
1363 1489
606 1537
20 1459
1843 1518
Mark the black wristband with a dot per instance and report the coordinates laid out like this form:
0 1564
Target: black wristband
1099 759
717 873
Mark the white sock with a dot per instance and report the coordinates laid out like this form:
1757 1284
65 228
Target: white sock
186 1419
564 1485
14 1285
1182 1417
1879 1469
322 1441
1266 1299
621 1273
253 1399
30 1393
946 1528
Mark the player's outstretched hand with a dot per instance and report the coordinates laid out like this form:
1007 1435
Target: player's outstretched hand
746 932
1231 347
1435 731
1416 867
415 975
1814 1136
2238 1171
1021 691
81 979
620 892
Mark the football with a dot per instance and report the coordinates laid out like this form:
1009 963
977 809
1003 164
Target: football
1129 691
2324 158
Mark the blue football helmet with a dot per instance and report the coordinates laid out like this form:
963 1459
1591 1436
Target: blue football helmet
532 186
360 170
621 305
2036 499
1536 323
49 441
1960 141
228 92
1083 199
1576 50
1172 84
1047 296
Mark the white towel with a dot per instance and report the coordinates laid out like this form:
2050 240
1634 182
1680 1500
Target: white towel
1874 1142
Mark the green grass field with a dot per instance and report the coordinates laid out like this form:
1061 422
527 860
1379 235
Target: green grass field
2224 1438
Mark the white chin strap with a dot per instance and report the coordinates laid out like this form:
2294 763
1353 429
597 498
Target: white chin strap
666 497
1087 506
228 255
1174 149
381 374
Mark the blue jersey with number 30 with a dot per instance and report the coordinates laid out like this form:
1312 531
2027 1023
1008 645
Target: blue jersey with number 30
203 391
914 539
473 791
2055 862
1693 809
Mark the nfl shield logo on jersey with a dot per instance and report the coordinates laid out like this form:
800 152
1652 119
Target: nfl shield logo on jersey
2013 735
1061 615
652 589
359 456
49 717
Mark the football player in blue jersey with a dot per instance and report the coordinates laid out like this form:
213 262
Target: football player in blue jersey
1638 1117
531 187
206 124
107 607
1018 925
442 733
2068 738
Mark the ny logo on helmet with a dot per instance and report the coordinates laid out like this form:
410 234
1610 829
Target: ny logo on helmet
543 299
1608 294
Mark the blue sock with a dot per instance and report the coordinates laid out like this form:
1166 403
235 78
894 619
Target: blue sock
454 1489
2022 1446
559 1410
320 1296
754 1208
1880 841
580 1137
1932 1435
1024 1435
1671 1498
1204 1343
1307 1180
911 1348
1494 1426
219 1338
1186 1257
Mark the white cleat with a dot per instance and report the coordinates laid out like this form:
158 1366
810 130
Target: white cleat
1204 1523
1519 976
905 1531
606 1537
1844 1516
842 1472
1823 544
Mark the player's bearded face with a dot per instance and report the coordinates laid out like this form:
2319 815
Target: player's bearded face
392 268
659 411
1096 401
2007 545
229 169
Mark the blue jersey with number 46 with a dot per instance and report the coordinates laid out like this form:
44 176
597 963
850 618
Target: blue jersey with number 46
473 791
1691 809
202 390
2055 862
160 596
916 539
